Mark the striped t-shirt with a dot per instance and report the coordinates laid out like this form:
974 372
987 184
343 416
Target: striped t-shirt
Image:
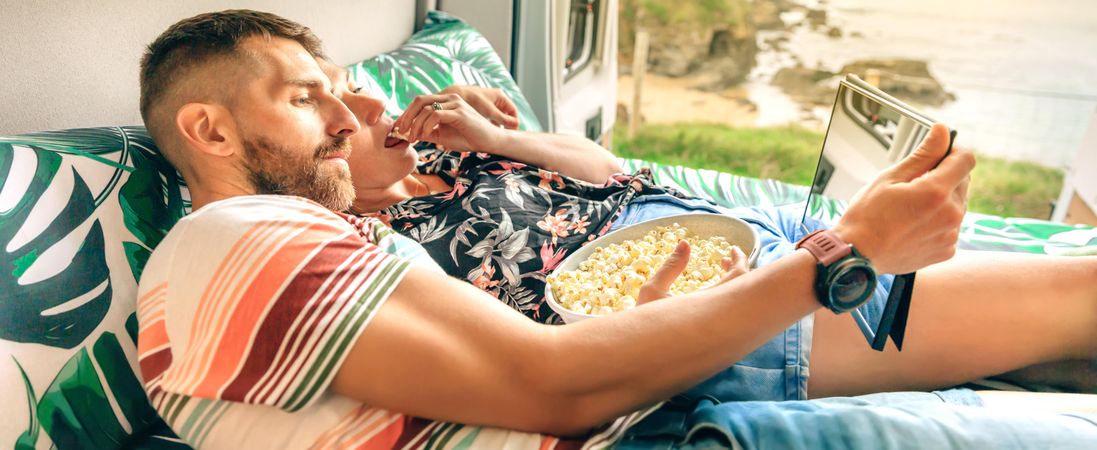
248 307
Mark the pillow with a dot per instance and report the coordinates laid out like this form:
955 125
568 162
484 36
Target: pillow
80 211
445 52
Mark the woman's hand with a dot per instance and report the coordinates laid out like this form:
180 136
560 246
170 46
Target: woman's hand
449 121
489 102
658 286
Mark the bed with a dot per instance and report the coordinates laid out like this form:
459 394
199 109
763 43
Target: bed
82 209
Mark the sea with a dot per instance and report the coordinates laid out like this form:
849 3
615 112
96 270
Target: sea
1024 72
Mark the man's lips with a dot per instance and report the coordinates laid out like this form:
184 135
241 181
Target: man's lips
338 155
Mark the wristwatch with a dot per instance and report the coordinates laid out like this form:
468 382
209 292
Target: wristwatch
844 278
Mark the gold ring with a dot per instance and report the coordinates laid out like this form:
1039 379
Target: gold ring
437 106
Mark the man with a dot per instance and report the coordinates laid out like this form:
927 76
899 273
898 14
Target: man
270 321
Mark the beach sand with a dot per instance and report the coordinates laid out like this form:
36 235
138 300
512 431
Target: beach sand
670 100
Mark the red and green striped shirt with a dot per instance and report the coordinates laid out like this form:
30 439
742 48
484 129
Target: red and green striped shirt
248 307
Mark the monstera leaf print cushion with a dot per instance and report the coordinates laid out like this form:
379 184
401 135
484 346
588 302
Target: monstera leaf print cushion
445 52
80 211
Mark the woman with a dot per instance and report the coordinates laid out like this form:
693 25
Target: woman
503 225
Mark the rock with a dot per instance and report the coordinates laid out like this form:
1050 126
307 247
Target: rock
727 55
766 15
817 17
672 62
723 73
805 85
906 79
675 53
834 32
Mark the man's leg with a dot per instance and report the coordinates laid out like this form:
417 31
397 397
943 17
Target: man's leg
976 315
1077 375
1042 402
908 420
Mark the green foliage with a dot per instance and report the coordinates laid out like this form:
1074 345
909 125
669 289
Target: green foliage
789 154
678 15
1013 188
703 12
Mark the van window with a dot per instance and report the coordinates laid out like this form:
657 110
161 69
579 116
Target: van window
583 34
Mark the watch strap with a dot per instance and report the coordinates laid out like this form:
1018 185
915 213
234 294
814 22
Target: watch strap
826 246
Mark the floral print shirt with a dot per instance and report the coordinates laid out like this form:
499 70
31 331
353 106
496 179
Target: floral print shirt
505 225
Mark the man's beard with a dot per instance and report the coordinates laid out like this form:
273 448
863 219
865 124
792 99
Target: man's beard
277 170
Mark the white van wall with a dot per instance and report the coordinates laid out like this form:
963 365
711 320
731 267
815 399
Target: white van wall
75 64
493 18
593 89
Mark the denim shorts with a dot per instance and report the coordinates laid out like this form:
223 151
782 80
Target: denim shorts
953 419
778 370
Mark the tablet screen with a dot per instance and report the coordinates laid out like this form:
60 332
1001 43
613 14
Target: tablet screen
868 131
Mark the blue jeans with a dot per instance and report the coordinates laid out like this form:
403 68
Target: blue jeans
953 419
761 401
778 370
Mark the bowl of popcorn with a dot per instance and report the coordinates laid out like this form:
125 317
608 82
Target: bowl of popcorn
605 276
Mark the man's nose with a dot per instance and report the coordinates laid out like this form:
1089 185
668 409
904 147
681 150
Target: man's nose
342 122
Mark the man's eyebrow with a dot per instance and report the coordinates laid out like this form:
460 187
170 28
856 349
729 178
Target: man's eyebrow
311 84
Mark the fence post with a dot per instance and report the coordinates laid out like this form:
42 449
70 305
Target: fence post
639 66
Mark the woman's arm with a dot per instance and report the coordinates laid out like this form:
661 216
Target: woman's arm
460 126
573 156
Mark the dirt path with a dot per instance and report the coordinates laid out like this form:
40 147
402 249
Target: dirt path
670 100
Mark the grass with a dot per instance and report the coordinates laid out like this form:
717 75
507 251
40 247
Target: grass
789 154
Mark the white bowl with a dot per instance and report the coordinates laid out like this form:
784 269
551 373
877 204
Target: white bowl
736 231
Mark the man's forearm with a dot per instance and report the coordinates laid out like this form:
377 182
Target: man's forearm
573 156
608 366
477 361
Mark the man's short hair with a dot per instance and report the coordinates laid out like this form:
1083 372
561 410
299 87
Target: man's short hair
191 44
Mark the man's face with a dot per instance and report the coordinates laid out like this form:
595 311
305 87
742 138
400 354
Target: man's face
295 134
372 165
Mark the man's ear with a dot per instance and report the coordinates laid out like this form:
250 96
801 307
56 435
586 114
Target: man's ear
207 128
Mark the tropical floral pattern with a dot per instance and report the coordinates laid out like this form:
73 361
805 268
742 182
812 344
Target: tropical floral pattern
506 244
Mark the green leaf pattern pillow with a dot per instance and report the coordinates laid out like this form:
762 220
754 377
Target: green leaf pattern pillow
446 52
80 211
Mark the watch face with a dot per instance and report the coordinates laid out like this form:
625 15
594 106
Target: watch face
852 284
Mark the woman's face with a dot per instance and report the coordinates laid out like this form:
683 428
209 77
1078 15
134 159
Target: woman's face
372 165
